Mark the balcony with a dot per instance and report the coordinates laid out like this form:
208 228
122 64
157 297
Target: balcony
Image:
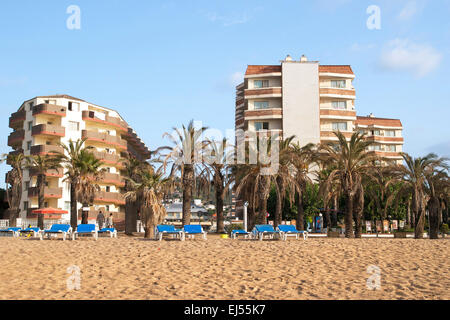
274 92
48 130
396 140
108 158
17 118
49 193
104 137
115 122
16 137
56 173
49 109
112 178
274 113
337 93
109 197
45 150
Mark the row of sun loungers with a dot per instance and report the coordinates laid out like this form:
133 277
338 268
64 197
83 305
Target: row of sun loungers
63 230
259 232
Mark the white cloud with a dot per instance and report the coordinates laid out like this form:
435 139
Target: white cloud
228 20
408 11
405 55
362 47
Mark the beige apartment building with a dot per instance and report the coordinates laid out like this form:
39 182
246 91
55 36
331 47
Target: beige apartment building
311 101
42 123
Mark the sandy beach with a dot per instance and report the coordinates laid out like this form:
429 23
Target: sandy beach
134 268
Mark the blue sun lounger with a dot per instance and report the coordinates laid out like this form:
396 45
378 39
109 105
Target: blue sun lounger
192 230
111 231
167 229
14 231
290 230
57 229
85 229
262 230
236 233
34 231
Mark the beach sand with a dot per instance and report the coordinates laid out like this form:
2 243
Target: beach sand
134 268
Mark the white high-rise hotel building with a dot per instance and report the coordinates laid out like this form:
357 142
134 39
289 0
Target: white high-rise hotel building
42 123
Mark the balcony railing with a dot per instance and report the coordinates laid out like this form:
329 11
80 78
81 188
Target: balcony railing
107 120
104 138
49 109
110 197
48 192
17 119
47 129
107 157
49 173
16 137
45 149
112 178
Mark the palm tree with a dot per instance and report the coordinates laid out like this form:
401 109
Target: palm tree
41 164
14 179
149 193
186 155
216 167
301 160
414 175
351 162
285 180
438 182
257 179
132 167
76 160
90 173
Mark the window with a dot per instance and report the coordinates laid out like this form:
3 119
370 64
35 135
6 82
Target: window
389 133
375 132
261 83
67 205
107 207
390 148
31 104
339 126
108 189
30 125
50 101
362 131
73 126
73 106
338 83
375 147
27 185
261 105
46 204
339 105
28 145
25 205
261 126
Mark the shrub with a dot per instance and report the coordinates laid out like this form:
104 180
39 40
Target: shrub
444 228
234 226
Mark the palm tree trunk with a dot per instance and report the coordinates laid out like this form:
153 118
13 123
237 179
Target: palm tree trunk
219 206
335 211
149 232
129 213
434 217
13 214
251 218
73 207
84 214
188 182
40 184
349 217
261 218
300 223
420 224
279 207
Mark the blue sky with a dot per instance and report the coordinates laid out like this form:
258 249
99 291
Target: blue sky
162 63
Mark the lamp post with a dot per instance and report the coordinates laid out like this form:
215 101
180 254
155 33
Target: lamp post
245 215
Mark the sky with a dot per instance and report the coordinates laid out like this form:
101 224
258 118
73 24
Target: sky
163 63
